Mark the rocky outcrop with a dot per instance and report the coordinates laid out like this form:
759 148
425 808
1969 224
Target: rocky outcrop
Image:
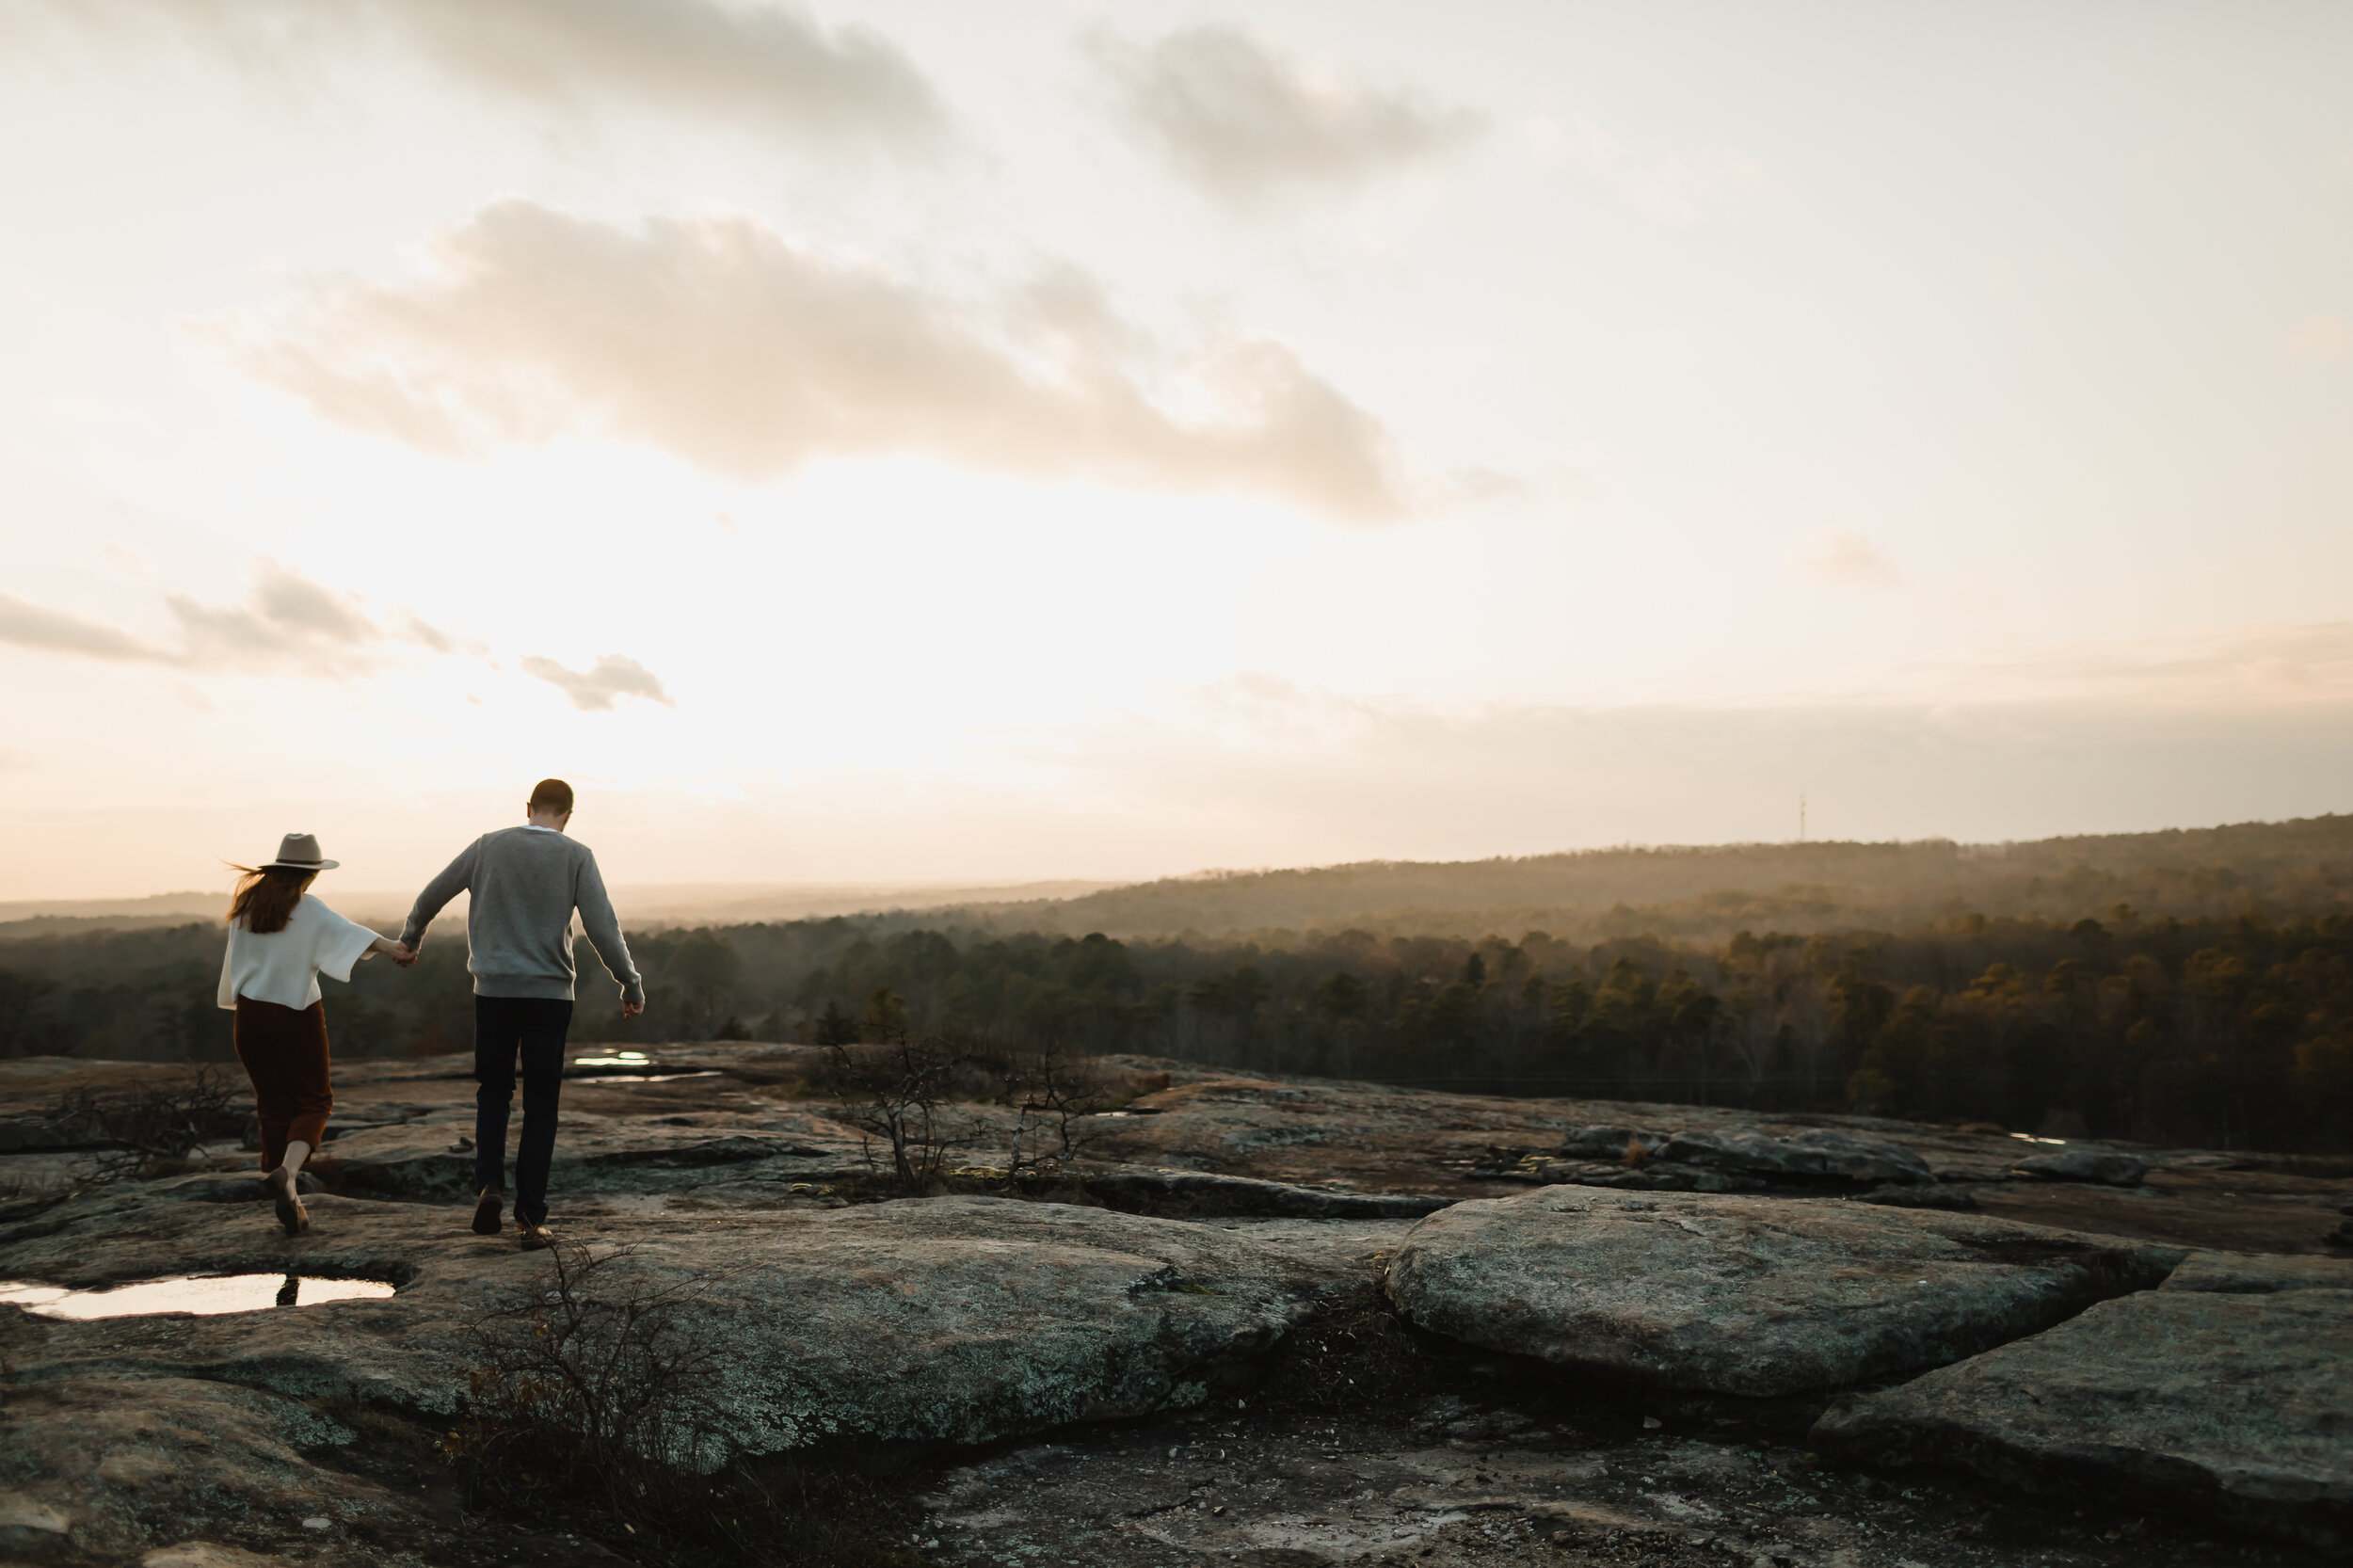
1735 1160
425 1158
1747 1295
1648 1178
1607 1141
2108 1170
2222 1403
960 1319
1818 1154
2239 1273
1141 1190
103 1467
1919 1194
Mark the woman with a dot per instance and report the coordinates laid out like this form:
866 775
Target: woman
280 939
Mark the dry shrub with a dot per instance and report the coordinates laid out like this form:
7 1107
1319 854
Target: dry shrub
894 1092
898 1091
595 1406
1636 1153
147 1125
1053 1088
594 1383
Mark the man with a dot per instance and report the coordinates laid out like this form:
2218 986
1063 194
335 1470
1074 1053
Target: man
526 882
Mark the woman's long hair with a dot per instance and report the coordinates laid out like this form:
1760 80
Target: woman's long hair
266 897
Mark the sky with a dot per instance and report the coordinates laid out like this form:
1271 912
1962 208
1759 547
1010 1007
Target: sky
920 442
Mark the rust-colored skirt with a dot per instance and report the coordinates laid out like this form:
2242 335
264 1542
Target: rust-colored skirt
284 1052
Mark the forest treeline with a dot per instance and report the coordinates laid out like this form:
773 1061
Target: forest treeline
1706 893
2228 1031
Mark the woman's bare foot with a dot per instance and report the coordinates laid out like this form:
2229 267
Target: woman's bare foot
290 1213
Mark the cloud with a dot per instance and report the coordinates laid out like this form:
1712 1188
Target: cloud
1848 560
1245 120
287 622
54 631
2306 667
721 340
612 678
1254 769
1666 187
766 68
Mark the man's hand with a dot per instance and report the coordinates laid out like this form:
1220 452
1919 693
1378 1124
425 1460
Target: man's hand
631 1009
405 958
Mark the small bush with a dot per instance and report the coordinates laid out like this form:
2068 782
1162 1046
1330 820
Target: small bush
594 1406
152 1124
894 1092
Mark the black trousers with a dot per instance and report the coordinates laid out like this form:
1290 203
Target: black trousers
505 1029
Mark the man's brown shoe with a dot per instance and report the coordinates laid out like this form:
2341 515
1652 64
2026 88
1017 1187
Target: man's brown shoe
486 1211
533 1237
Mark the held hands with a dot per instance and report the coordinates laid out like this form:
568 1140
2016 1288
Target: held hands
399 953
631 1009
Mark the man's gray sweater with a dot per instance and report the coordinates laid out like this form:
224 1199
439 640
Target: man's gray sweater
526 882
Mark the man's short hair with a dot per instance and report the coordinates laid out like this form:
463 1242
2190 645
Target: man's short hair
551 796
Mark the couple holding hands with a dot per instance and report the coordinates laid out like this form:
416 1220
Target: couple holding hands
525 885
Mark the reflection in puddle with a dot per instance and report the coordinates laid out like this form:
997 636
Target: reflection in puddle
204 1295
636 1067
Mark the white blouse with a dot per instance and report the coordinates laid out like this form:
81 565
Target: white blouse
284 965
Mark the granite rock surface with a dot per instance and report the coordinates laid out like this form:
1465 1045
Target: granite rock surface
1750 1296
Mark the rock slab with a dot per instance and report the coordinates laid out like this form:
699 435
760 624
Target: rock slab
958 1320
2106 1170
1818 1154
1752 1296
1143 1190
2226 1404
102 1466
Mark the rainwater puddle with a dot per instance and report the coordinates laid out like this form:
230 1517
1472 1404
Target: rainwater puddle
631 1066
205 1295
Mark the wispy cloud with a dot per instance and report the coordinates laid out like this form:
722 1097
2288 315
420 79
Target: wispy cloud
1244 119
56 632
1257 766
612 678
720 340
765 67
1849 560
287 622
2290 666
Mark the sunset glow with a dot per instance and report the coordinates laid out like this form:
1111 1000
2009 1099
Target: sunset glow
946 442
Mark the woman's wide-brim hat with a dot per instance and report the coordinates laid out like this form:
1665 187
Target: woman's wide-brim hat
300 852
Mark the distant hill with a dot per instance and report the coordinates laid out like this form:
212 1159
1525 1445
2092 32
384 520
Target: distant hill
643 907
1707 893
1693 893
